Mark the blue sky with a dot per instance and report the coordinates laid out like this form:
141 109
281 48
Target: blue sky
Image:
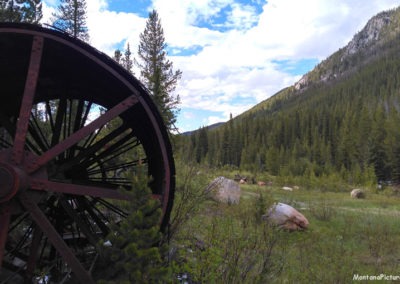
233 53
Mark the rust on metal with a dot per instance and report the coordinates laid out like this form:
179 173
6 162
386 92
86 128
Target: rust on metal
66 165
27 99
76 189
12 179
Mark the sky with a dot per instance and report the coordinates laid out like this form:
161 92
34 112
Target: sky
233 53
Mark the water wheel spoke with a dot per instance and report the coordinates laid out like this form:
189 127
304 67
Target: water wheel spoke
89 151
18 249
5 215
111 207
27 99
4 143
112 181
10 129
37 134
18 221
79 221
34 252
86 114
82 133
76 189
97 216
49 114
47 228
118 167
77 121
57 126
6 123
116 149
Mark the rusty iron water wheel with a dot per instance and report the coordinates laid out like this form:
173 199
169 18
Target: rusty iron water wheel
74 126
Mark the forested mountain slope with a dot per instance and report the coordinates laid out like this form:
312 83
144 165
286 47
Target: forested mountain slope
343 117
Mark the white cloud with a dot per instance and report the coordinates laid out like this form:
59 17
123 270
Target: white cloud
107 29
48 8
238 62
126 27
233 69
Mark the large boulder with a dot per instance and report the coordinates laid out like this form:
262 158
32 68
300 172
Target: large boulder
286 217
357 193
224 190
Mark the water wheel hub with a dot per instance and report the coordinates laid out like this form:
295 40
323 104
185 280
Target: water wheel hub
12 180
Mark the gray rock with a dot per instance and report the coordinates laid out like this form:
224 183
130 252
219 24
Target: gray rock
224 190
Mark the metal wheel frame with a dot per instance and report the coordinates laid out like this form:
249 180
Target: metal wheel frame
56 188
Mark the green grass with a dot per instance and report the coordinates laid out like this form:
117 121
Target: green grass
346 236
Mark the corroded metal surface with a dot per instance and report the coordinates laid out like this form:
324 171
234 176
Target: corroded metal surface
74 128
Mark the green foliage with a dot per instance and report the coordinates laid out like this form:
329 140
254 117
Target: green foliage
71 18
27 11
347 127
118 56
127 61
124 60
157 71
219 243
189 196
136 252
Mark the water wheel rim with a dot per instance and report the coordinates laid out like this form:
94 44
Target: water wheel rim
130 101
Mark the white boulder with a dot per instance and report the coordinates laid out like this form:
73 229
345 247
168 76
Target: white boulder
357 193
285 216
287 188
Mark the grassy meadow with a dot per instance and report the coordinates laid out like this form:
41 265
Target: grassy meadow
220 243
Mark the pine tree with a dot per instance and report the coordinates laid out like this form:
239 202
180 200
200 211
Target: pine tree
136 251
202 145
27 11
157 71
127 61
118 56
71 18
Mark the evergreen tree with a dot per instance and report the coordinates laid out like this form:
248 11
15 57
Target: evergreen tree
27 11
127 61
71 18
157 71
202 145
118 56
346 128
136 251
226 147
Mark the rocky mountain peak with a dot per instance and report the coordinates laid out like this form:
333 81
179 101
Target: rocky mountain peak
370 34
379 29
